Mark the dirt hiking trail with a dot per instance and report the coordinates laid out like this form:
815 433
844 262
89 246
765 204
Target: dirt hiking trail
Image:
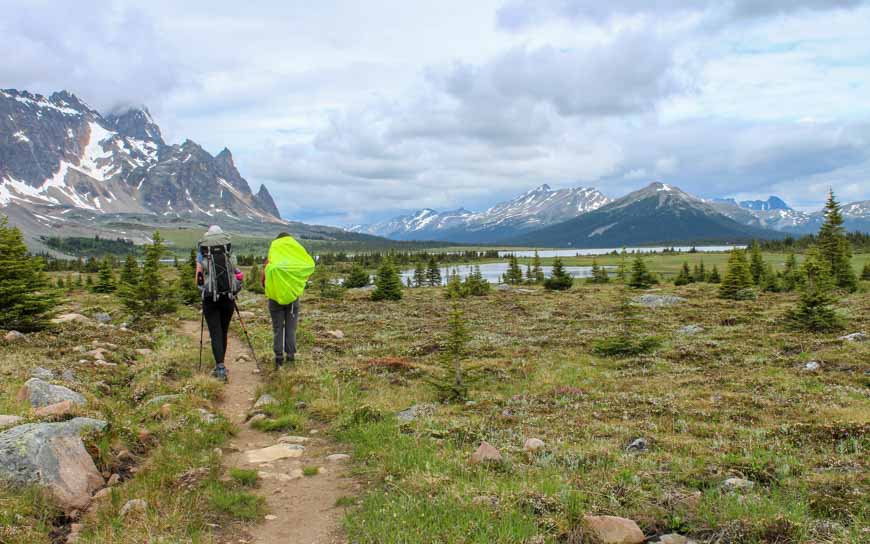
300 509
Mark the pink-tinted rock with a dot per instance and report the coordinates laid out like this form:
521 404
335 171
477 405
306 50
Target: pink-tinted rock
613 530
485 453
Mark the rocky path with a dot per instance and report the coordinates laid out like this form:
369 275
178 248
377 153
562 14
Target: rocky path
301 509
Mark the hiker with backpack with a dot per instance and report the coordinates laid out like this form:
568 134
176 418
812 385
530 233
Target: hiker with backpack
285 274
220 281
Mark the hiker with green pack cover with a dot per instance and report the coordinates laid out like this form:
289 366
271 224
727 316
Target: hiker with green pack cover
285 275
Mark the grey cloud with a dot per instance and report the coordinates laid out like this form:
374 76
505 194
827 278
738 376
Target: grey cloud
518 14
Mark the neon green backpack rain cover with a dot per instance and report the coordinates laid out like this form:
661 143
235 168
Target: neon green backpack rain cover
288 270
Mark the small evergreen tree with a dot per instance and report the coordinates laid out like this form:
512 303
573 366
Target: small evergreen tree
455 288
834 247
106 279
254 280
433 273
791 275
714 275
80 282
419 274
599 273
60 284
357 278
640 278
25 297
756 263
814 311
537 275
130 271
326 286
700 273
150 296
475 285
685 276
770 281
450 380
622 269
514 274
737 283
625 342
388 284
89 281
865 273
559 280
189 292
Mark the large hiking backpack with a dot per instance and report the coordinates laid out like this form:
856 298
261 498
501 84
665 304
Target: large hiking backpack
218 267
288 270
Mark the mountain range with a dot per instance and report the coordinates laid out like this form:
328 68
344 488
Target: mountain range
65 167
531 210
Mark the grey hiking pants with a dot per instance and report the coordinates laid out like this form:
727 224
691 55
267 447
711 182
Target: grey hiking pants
284 320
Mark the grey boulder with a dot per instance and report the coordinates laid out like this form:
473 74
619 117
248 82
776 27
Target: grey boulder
52 455
41 393
659 301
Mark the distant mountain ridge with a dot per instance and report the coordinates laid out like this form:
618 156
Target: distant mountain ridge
656 214
781 217
533 209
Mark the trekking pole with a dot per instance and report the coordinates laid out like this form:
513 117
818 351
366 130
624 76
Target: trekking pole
247 336
201 327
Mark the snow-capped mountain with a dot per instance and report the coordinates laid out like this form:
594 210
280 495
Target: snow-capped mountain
781 217
533 209
58 155
657 213
772 203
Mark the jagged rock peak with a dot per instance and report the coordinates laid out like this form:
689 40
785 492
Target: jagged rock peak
267 203
136 122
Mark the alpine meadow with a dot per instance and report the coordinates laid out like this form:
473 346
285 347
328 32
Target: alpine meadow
514 271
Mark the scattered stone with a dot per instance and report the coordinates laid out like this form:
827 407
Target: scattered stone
337 334
134 506
855 337
14 336
41 373
270 517
418 410
247 314
162 399
144 351
638 444
280 476
102 317
503 287
68 375
105 492
337 457
66 318
812 366
264 400
485 453
613 530
257 418
659 301
57 409
273 453
114 479
98 353
8 421
289 439
675 539
166 410
104 363
365 288
690 330
54 456
41 393
737 484
533 444
206 416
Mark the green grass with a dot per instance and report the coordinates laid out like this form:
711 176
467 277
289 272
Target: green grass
310 471
244 477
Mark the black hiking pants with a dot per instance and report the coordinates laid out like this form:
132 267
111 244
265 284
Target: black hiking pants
218 314
285 317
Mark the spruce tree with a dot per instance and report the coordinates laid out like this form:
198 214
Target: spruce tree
450 380
106 278
685 276
865 273
130 271
357 277
700 273
835 248
433 273
770 282
559 280
791 275
188 291
814 311
253 282
537 269
756 263
60 284
419 274
150 295
475 284
737 283
714 275
89 281
622 269
625 342
514 274
25 296
599 273
640 278
80 282
455 289
388 284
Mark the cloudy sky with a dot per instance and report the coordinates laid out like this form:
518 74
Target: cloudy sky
355 111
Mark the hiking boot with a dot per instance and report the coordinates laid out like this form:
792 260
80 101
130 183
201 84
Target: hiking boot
220 372
291 358
279 362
